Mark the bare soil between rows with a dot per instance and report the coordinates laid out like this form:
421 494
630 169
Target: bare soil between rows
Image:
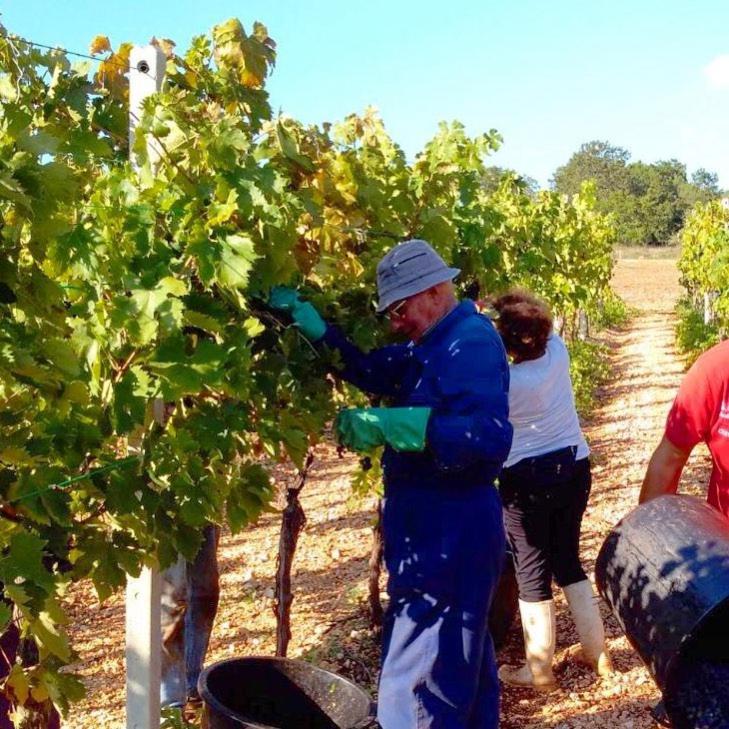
329 617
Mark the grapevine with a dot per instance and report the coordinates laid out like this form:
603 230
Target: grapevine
121 284
704 262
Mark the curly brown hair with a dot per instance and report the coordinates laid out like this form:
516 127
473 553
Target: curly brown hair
524 323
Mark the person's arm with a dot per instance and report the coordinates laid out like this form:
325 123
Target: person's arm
688 423
664 470
379 371
471 424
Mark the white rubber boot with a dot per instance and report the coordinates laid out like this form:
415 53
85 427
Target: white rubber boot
539 626
590 630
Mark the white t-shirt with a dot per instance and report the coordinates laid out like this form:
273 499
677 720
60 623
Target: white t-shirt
542 405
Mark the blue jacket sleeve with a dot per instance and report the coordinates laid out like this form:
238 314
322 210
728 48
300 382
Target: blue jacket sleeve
379 371
471 422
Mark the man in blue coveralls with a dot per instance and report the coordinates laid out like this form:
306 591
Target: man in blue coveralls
446 435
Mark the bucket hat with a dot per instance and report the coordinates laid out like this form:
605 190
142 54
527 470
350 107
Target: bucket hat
407 269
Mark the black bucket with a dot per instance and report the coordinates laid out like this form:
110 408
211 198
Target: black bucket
268 693
664 570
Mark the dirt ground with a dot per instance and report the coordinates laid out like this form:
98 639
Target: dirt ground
328 617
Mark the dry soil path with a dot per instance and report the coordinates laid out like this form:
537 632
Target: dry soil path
645 371
329 624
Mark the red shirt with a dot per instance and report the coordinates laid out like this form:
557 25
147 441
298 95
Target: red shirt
701 412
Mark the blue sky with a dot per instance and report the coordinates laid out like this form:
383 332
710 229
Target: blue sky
649 76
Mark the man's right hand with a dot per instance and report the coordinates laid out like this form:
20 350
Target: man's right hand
305 316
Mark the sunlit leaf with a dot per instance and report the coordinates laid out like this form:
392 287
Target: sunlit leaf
99 44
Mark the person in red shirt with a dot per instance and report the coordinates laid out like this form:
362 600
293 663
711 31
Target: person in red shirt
700 412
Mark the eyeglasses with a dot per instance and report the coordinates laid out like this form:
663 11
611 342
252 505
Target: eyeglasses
396 311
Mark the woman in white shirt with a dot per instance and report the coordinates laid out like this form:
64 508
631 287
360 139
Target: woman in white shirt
544 489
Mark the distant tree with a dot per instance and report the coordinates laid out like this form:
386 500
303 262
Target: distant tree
607 166
599 161
704 186
661 204
648 201
706 181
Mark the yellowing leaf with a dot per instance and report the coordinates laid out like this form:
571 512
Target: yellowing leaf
49 635
100 44
253 326
172 286
14 456
228 37
220 213
249 57
18 596
166 45
112 72
8 92
203 321
39 693
18 681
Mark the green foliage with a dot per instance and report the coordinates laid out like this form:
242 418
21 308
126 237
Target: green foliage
704 266
588 370
494 176
559 248
649 202
656 202
611 311
693 336
598 161
367 478
705 181
703 188
172 718
132 314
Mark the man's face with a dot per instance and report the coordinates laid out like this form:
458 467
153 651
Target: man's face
410 318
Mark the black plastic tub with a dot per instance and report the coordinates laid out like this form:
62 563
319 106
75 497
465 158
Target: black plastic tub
664 570
279 693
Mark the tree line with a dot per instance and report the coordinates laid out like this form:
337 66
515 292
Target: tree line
648 202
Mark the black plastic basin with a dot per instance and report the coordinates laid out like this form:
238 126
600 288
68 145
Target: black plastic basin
664 570
279 693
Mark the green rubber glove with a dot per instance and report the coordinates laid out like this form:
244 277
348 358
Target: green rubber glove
305 316
361 429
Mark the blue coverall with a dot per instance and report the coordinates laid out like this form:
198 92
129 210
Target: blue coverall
442 521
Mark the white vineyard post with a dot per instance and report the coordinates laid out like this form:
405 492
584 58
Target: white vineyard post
143 616
708 308
583 325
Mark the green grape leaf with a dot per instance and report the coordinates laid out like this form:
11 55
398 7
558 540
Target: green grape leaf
236 259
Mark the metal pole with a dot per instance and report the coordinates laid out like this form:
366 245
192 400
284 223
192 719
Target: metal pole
143 593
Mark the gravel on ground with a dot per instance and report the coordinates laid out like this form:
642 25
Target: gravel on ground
329 619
